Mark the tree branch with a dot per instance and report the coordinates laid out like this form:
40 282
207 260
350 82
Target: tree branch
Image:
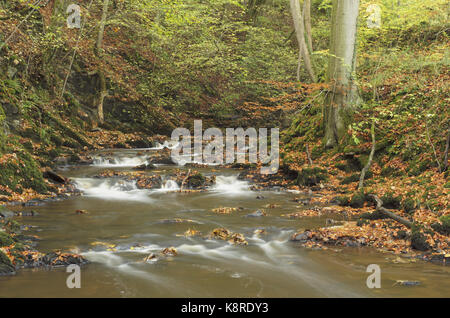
389 214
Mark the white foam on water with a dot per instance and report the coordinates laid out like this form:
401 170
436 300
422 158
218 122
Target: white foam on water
168 186
230 185
119 161
166 144
112 189
107 258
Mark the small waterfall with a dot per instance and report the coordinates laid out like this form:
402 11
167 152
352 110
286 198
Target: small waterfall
112 189
231 185
169 185
119 161
166 144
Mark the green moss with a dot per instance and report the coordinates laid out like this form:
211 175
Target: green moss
311 176
196 180
418 241
376 215
21 173
444 226
355 177
4 260
409 205
391 202
358 200
5 239
342 200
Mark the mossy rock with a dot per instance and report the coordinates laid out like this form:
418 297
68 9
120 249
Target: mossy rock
376 215
418 241
409 205
402 235
357 201
311 176
5 239
341 200
21 173
342 167
196 181
6 267
444 226
391 202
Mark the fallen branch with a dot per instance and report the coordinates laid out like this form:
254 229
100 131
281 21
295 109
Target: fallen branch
390 214
372 152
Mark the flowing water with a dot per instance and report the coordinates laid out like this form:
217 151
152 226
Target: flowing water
132 223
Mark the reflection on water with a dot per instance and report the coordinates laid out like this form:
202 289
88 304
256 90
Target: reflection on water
131 223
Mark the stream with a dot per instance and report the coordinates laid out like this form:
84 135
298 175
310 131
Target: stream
131 223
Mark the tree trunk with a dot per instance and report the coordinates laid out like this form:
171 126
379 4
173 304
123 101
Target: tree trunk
296 12
307 22
101 73
343 98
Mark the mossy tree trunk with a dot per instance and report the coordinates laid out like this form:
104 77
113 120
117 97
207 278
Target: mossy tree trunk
343 96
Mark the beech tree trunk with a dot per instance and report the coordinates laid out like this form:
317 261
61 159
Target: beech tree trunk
343 97
101 74
307 22
299 26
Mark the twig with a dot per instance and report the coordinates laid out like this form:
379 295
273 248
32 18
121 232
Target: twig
372 152
389 214
184 180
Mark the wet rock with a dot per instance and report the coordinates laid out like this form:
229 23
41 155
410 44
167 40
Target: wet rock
169 251
419 242
50 174
301 237
260 197
150 257
164 157
190 233
176 221
238 239
145 166
220 233
406 283
226 210
257 213
27 213
63 259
